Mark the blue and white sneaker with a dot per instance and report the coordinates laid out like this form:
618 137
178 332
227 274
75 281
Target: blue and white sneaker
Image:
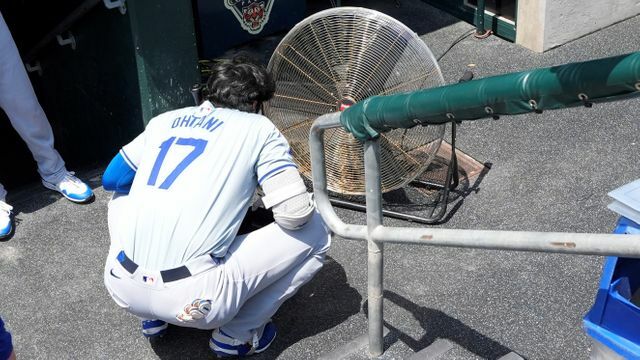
224 345
154 328
6 223
71 187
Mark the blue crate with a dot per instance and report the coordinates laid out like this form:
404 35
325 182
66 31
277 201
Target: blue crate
614 320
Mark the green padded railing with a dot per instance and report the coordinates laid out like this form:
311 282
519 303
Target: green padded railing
555 87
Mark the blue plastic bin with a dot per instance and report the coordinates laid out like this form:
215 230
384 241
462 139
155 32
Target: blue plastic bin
614 320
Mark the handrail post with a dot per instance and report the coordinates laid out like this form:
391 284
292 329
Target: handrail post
376 234
375 248
319 175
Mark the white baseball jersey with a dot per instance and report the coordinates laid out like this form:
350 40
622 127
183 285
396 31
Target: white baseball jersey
197 169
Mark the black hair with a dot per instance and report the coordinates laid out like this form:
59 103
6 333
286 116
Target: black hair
239 83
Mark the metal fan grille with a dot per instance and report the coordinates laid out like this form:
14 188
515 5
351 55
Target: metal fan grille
336 58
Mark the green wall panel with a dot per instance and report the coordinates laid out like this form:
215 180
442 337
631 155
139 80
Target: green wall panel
91 94
458 9
166 53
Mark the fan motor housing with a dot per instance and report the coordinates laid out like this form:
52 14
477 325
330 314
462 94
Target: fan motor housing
346 103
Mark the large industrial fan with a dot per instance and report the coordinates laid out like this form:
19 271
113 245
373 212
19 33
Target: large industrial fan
336 58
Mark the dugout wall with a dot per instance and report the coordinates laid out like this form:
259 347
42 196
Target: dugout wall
117 65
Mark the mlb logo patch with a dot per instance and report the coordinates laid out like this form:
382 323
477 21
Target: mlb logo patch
253 15
204 110
149 280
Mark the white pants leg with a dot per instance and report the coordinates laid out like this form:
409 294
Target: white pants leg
261 270
19 102
274 263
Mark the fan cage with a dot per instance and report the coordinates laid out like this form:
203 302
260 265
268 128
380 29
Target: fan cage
336 58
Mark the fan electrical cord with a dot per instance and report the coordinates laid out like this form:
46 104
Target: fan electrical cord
455 42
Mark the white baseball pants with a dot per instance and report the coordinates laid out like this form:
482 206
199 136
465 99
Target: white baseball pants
19 102
261 270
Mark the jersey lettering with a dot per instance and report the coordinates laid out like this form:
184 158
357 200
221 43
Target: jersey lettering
209 159
198 148
210 124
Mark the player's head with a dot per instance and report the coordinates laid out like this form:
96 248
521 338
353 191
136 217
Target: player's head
239 83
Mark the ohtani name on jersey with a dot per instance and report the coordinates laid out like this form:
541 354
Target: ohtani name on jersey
207 123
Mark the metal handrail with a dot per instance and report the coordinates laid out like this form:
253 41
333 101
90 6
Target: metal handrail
376 234
63 26
319 174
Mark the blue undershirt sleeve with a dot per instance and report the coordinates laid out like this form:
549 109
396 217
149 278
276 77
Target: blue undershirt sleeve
119 175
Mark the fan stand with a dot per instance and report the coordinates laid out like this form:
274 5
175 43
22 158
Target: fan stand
451 182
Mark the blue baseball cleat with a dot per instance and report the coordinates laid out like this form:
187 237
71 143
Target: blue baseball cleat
6 223
71 187
224 345
154 328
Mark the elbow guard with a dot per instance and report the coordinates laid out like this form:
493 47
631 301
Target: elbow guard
287 195
294 213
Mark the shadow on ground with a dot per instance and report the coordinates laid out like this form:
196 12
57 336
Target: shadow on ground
438 325
327 301
418 16
34 196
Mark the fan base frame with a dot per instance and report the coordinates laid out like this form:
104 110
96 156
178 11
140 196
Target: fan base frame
452 181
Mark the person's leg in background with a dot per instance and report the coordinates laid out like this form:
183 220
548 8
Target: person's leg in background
6 225
19 102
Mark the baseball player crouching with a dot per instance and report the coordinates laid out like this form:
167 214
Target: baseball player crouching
182 189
